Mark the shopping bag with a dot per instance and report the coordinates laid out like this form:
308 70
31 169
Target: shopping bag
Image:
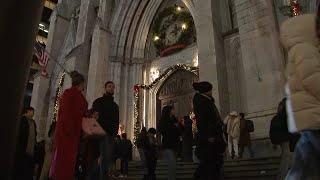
92 128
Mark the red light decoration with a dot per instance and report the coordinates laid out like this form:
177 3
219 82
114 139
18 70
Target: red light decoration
296 8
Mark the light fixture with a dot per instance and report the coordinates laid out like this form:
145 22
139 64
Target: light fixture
184 26
179 8
156 38
46 30
41 25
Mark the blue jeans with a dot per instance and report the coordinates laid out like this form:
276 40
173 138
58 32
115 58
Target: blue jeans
106 152
170 157
306 161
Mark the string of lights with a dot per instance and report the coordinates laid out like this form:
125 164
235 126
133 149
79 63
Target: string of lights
137 87
57 97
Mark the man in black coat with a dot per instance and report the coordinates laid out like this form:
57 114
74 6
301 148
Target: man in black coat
24 164
210 145
109 120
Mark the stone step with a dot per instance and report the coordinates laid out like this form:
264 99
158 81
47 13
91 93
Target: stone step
229 165
226 163
266 168
226 169
271 175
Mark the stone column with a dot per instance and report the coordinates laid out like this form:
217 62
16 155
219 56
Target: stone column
212 66
87 21
262 61
18 39
97 74
114 75
41 87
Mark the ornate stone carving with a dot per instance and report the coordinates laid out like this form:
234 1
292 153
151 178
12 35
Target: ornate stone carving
178 84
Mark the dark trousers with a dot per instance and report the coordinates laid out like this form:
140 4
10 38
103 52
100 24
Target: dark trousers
124 166
151 162
25 168
210 166
241 150
187 150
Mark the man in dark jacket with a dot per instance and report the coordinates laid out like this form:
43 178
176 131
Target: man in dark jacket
24 165
211 144
109 120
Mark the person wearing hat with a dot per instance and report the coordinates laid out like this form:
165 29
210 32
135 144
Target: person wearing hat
233 129
210 142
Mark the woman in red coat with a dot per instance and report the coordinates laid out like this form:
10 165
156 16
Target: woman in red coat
72 109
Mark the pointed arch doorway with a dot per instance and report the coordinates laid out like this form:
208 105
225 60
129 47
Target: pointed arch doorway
177 91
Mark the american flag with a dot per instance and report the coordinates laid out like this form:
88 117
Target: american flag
42 56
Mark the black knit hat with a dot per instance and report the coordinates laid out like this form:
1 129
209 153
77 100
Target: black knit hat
202 87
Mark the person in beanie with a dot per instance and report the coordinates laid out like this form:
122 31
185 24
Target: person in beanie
125 154
299 37
187 139
210 145
170 137
245 138
151 154
25 155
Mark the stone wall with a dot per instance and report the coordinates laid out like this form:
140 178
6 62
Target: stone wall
262 61
236 81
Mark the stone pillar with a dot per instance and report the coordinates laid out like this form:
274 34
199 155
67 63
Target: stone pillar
41 87
87 21
97 74
18 39
114 75
212 65
262 61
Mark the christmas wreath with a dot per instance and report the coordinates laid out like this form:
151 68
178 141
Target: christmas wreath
173 30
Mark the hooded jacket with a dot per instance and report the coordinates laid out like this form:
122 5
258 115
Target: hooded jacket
298 36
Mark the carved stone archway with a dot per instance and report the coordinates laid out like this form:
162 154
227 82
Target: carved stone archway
176 90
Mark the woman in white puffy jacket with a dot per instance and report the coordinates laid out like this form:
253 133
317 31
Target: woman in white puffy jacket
299 37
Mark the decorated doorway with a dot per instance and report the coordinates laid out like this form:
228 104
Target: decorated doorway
177 91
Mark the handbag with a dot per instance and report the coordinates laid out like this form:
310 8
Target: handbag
92 128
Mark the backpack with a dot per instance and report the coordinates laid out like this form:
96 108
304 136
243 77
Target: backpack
250 126
278 130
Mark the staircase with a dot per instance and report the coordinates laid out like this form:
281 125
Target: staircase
246 169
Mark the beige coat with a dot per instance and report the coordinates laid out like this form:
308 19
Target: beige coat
298 35
233 126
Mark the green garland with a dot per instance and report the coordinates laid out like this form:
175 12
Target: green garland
159 29
137 124
137 87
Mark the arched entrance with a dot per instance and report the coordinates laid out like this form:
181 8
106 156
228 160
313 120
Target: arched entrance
177 91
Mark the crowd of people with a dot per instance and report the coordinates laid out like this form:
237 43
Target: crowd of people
70 153
73 154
